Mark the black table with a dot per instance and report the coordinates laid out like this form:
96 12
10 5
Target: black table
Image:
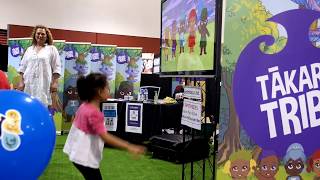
155 118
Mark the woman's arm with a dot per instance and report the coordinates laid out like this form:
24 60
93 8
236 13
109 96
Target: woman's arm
56 69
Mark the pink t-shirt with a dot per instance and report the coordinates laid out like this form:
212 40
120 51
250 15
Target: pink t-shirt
90 120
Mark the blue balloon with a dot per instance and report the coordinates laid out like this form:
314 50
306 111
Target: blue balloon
27 136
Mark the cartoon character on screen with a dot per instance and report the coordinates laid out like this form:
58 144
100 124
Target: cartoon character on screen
182 31
240 165
125 89
294 161
203 31
166 44
71 99
173 38
192 23
313 164
267 166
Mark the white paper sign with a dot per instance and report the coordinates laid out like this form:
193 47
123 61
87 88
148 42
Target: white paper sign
134 117
192 92
191 114
110 116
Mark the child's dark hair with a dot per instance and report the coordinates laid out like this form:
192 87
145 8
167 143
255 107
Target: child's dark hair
88 86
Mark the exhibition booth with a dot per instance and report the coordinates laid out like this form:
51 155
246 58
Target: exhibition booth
231 87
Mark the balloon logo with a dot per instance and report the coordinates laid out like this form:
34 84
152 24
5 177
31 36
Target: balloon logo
27 136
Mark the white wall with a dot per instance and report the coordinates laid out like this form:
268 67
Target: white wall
125 17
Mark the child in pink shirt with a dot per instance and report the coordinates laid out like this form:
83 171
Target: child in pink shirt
87 135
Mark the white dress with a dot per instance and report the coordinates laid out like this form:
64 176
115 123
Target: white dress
37 69
84 149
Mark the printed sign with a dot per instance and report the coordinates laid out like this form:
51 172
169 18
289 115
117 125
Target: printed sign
191 114
134 117
192 92
110 116
277 95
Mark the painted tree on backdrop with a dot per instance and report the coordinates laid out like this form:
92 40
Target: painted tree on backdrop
248 19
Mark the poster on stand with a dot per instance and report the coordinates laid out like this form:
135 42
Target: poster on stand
134 117
77 63
191 114
269 104
103 60
128 74
110 116
147 59
16 49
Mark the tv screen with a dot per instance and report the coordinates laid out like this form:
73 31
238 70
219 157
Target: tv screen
188 31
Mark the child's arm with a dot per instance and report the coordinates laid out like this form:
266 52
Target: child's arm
122 144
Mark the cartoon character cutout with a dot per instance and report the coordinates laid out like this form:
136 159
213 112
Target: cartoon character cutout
267 166
182 31
125 89
10 130
314 164
294 161
132 70
173 38
203 31
81 65
240 165
107 67
12 123
71 99
192 22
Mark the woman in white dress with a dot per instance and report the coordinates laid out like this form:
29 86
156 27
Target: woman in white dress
40 67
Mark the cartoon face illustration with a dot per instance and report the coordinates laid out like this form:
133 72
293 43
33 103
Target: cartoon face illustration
313 164
267 168
239 169
294 160
72 100
316 167
12 123
132 73
107 70
240 165
125 89
294 167
81 68
10 142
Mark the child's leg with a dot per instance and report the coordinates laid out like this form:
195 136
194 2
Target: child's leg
89 173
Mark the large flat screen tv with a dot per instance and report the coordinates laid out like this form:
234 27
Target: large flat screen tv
188 37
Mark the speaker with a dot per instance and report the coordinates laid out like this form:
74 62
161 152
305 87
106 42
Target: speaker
4 58
171 147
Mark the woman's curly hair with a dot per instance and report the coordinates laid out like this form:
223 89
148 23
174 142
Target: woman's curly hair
49 39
